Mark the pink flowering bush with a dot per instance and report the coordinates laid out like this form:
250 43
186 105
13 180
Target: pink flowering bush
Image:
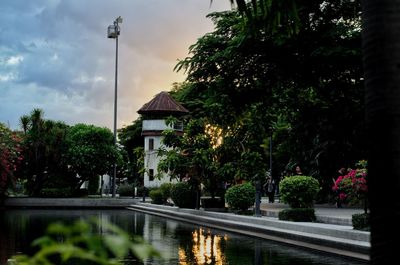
10 157
352 187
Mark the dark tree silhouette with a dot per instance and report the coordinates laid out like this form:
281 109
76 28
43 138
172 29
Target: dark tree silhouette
381 57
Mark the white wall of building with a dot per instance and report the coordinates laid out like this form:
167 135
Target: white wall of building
151 161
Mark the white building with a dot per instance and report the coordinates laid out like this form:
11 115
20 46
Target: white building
154 115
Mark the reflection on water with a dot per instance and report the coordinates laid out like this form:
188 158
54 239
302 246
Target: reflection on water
180 243
206 249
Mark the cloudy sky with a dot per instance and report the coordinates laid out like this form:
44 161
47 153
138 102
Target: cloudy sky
55 55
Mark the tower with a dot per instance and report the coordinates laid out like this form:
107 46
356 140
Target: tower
155 113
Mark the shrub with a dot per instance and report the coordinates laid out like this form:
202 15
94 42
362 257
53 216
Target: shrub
55 193
142 190
240 197
156 196
81 193
125 189
93 186
361 221
352 187
212 203
299 191
182 195
298 215
165 189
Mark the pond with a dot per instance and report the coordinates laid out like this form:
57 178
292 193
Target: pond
181 243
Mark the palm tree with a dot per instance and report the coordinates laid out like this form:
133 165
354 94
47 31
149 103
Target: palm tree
24 122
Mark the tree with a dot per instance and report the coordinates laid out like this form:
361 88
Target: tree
130 137
44 150
10 157
91 151
190 157
248 83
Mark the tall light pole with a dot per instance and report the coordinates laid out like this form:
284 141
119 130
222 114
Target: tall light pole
113 33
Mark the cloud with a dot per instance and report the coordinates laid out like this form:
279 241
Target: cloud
55 55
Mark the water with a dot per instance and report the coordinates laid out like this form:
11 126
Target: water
181 243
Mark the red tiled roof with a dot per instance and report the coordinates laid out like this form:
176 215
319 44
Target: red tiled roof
162 103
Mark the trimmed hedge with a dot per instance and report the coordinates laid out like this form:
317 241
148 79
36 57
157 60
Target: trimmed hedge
299 191
55 193
165 189
156 196
361 221
298 215
126 189
241 197
183 196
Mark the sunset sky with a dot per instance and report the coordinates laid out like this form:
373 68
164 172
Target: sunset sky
55 55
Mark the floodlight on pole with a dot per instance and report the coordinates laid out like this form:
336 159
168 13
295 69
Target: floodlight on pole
113 32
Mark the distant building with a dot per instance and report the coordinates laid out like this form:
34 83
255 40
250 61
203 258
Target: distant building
154 115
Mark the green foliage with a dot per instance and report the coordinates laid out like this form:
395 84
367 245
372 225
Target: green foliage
93 186
166 189
253 84
10 157
299 191
126 189
182 195
76 243
56 192
156 196
361 221
240 197
91 151
44 153
298 215
191 156
130 137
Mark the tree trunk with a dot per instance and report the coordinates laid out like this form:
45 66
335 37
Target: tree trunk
381 58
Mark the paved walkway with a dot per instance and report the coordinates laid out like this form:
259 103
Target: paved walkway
325 213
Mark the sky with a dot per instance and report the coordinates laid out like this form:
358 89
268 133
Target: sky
55 55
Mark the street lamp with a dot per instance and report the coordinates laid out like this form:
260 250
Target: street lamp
113 32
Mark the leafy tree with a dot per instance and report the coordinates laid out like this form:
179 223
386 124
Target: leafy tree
189 157
44 150
250 82
132 142
91 151
10 157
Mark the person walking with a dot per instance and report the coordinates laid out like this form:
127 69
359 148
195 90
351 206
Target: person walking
269 187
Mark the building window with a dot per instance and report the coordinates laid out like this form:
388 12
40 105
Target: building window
151 144
151 174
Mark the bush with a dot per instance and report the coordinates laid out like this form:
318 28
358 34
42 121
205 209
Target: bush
93 186
298 215
125 189
212 203
55 193
165 189
81 193
156 196
361 221
299 191
142 190
183 196
240 197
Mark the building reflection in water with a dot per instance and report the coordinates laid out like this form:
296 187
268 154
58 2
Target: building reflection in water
206 249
